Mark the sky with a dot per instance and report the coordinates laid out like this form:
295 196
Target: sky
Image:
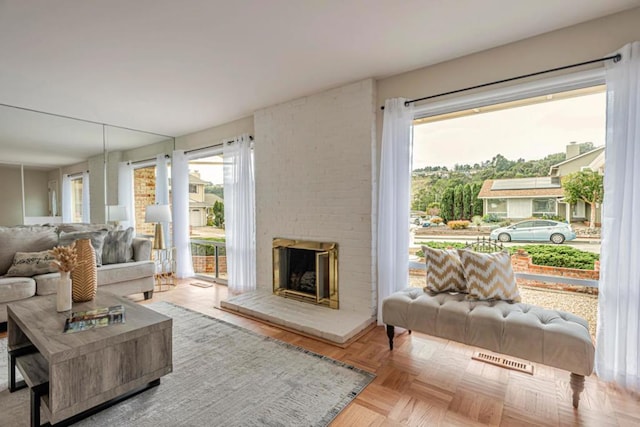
211 173
529 132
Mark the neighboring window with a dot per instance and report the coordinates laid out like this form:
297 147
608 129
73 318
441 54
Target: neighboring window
579 210
193 189
543 207
497 206
76 199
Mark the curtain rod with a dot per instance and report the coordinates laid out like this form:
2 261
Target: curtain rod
166 156
230 141
73 175
616 58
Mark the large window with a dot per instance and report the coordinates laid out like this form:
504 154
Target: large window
497 207
76 199
544 207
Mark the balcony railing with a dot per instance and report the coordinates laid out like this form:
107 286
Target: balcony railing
209 260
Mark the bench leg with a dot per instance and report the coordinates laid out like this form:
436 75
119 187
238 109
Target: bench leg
148 295
390 333
577 385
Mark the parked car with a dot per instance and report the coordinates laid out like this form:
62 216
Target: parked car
535 230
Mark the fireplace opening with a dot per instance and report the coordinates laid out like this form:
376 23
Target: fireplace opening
307 271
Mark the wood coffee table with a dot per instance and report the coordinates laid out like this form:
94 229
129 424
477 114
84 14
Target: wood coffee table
86 370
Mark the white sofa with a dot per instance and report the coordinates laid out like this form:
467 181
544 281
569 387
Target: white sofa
134 276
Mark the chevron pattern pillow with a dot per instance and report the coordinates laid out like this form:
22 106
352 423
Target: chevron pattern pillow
444 271
489 276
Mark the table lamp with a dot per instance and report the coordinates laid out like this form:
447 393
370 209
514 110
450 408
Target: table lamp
158 214
117 213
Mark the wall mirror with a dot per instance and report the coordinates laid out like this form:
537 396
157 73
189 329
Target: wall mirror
37 149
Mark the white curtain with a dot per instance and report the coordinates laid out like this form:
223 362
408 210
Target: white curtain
393 199
67 208
180 214
126 194
618 332
239 214
86 200
162 190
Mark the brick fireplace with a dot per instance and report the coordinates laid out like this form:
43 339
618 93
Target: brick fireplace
315 181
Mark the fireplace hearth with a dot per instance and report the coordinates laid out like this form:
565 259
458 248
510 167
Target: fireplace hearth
306 271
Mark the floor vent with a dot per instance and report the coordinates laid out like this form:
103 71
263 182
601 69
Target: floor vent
503 362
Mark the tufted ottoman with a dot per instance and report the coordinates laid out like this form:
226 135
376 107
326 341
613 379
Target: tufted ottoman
551 337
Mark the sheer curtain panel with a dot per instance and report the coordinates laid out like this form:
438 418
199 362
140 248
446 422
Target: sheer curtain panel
86 199
393 199
180 214
162 190
125 193
618 332
66 199
239 214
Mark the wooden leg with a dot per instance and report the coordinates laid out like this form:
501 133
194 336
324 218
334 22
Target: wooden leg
577 385
148 295
390 333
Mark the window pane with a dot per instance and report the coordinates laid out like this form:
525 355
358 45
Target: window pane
497 206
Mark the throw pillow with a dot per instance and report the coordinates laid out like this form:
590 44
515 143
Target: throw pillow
444 271
489 276
97 240
27 264
117 246
24 239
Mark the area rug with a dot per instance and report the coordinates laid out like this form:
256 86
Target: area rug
226 375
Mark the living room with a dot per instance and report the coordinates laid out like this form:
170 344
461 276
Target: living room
317 148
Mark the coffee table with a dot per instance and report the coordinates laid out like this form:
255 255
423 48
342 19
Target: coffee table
91 369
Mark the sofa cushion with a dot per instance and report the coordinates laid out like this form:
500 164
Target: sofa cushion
107 275
24 239
117 246
76 226
27 264
16 288
115 273
96 237
489 276
444 271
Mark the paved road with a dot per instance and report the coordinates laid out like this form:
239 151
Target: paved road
590 245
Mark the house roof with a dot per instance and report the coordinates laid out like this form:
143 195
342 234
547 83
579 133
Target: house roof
194 179
574 159
508 188
212 198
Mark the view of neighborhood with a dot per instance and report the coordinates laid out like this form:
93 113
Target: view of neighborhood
530 176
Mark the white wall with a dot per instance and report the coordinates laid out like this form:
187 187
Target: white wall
313 164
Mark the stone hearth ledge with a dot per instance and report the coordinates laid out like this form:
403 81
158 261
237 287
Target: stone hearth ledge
337 326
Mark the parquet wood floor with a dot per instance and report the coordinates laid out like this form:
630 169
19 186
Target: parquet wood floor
427 381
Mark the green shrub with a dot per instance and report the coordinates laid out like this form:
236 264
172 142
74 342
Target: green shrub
559 256
458 225
505 223
440 245
554 217
491 217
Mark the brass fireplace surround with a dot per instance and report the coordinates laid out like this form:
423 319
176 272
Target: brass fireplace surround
326 263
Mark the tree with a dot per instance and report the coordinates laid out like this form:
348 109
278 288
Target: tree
457 202
477 203
218 212
467 208
446 205
586 186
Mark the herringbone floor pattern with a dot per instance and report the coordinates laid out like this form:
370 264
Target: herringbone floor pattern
427 381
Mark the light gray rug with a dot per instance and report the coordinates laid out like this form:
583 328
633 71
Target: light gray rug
224 375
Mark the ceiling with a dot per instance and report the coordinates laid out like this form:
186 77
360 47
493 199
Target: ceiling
176 67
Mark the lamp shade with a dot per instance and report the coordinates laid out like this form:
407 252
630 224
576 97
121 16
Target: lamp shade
117 213
157 213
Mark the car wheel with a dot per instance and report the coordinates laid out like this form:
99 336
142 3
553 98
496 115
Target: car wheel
557 238
504 237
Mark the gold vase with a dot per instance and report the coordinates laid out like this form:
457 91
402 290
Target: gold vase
84 277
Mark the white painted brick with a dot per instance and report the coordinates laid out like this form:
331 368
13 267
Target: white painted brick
314 180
